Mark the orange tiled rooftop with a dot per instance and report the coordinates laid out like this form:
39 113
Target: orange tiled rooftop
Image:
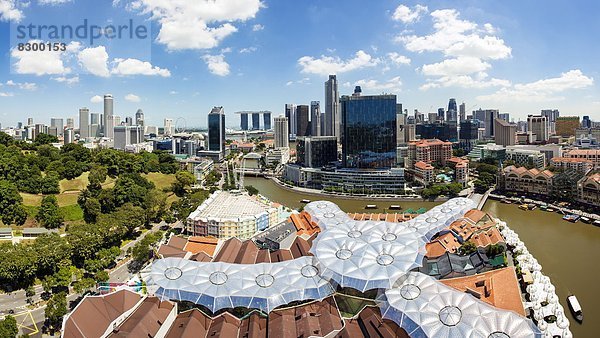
197 244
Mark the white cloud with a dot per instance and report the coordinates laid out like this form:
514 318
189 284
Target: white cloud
67 80
304 80
458 66
334 65
188 24
96 99
405 14
6 94
478 81
398 59
456 37
125 67
50 63
392 85
95 61
132 98
53 2
22 85
248 50
217 64
542 90
9 11
257 27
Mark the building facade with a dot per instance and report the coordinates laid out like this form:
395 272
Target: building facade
302 121
567 125
315 119
428 151
505 133
281 133
368 131
578 164
216 130
537 127
332 122
527 181
316 152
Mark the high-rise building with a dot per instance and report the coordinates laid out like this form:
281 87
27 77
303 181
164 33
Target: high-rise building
30 121
70 123
452 113
462 112
128 121
505 132
566 125
84 122
290 113
109 126
440 114
139 117
315 118
586 122
69 136
244 121
432 117
316 151
551 116
282 138
332 109
59 124
95 118
442 131
255 121
127 135
537 127
267 120
302 124
108 113
369 130
216 130
400 126
169 127
469 133
487 118
504 116
428 151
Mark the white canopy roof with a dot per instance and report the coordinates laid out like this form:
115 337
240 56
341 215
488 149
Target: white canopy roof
219 285
424 307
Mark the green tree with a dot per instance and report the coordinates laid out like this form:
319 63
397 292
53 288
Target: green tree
96 177
6 139
83 285
42 138
56 308
49 214
183 180
8 327
251 190
11 209
467 248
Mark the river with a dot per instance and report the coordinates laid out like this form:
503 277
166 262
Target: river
565 250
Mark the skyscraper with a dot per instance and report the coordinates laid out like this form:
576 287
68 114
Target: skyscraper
169 127
267 120
139 118
302 124
255 121
244 121
586 122
84 121
487 117
128 121
462 109
551 116
505 132
216 130
281 132
108 113
30 121
94 118
315 118
332 109
290 113
538 126
109 127
369 130
452 113
70 122
59 124
440 114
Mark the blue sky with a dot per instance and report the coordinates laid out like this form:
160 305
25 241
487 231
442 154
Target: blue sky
516 56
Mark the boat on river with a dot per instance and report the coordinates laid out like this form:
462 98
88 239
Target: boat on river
585 220
305 201
395 207
371 206
571 218
575 308
596 223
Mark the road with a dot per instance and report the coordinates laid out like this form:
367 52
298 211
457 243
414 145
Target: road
17 301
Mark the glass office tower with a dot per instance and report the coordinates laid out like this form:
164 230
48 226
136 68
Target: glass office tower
368 131
216 130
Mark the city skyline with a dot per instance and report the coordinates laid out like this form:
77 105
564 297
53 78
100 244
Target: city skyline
491 56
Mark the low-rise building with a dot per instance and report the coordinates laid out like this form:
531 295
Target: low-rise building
578 164
526 157
233 214
588 190
529 181
592 155
461 169
487 150
278 156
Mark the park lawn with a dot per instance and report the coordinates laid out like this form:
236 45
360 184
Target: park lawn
160 180
72 213
67 199
172 198
76 184
31 199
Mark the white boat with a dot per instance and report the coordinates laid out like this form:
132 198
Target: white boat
371 206
305 201
575 308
